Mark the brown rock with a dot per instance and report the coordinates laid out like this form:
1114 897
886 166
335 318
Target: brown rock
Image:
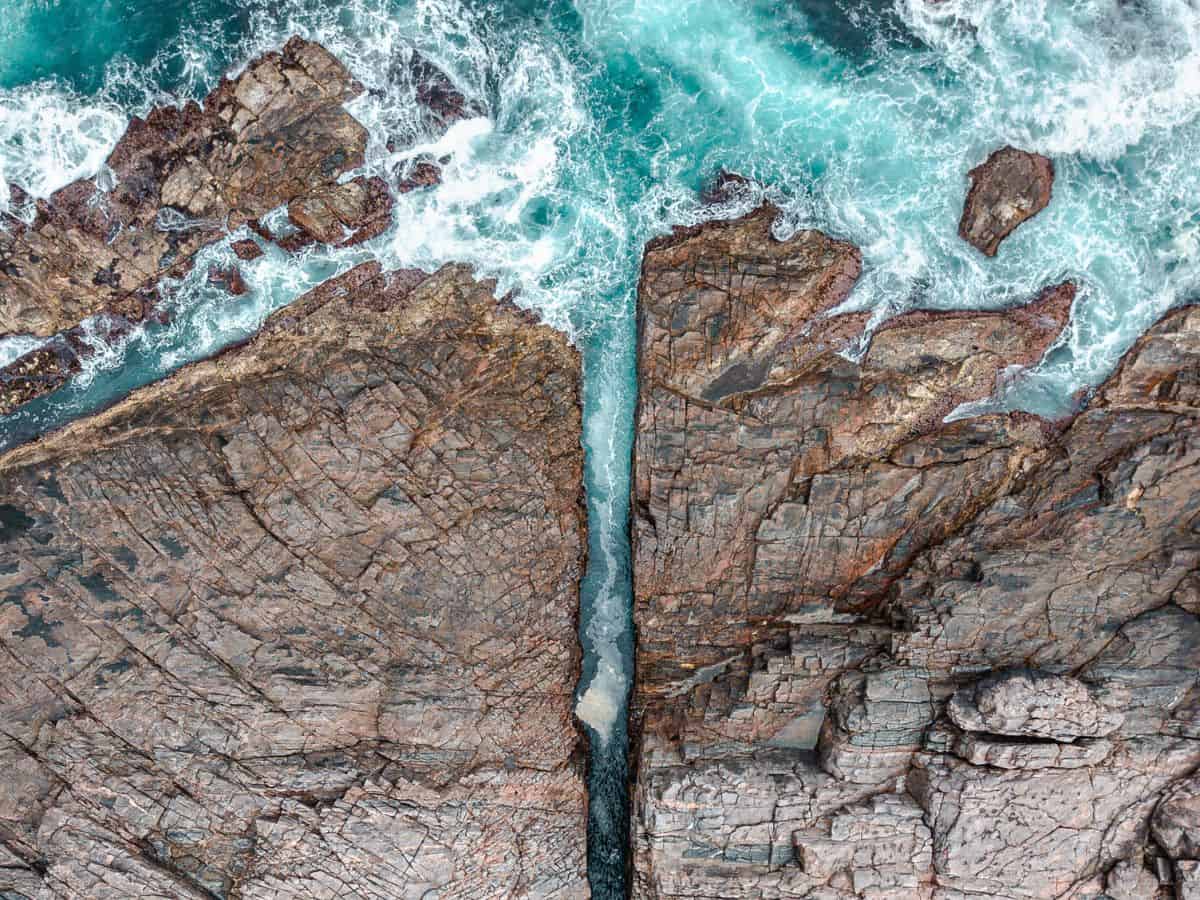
300 620
246 249
437 93
229 280
38 372
1010 187
821 562
183 176
344 214
422 174
726 186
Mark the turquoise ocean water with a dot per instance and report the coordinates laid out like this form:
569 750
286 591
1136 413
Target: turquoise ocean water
603 117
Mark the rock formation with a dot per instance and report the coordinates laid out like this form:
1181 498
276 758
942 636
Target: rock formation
178 181
182 179
1008 188
299 621
885 655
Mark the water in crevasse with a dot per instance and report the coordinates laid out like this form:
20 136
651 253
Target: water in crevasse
603 117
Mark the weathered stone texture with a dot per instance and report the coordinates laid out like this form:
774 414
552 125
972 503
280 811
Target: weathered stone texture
179 179
299 621
851 610
1009 187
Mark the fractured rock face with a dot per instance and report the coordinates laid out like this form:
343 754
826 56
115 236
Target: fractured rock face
182 179
1032 704
876 721
1019 834
1176 822
1130 880
1010 187
299 621
993 616
344 214
882 847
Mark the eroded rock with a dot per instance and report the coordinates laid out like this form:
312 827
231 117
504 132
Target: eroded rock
1130 880
815 546
246 249
1176 822
1010 187
344 214
300 620
175 182
1020 834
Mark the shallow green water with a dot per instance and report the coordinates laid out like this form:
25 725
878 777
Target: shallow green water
605 116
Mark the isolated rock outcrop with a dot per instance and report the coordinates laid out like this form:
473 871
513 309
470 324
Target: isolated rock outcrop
1009 187
299 621
851 610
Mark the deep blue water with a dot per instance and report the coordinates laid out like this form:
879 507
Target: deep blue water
603 117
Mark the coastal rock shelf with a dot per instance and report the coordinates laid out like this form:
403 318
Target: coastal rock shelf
299 621
184 178
885 655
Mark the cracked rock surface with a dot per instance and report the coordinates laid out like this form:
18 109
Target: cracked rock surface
299 621
886 655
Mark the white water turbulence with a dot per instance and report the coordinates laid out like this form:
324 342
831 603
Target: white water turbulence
49 138
599 120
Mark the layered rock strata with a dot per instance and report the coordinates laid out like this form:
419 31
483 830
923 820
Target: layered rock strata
886 655
299 621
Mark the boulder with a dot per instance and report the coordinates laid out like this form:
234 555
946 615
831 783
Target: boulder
1033 705
1010 187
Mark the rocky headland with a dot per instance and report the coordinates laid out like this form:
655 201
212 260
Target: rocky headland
299 621
885 655
187 177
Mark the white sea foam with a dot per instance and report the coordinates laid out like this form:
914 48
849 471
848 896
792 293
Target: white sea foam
49 138
15 346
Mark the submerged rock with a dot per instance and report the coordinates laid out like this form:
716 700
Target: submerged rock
228 279
246 249
421 174
300 620
840 595
1010 187
437 94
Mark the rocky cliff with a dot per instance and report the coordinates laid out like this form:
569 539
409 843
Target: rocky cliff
883 655
299 621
